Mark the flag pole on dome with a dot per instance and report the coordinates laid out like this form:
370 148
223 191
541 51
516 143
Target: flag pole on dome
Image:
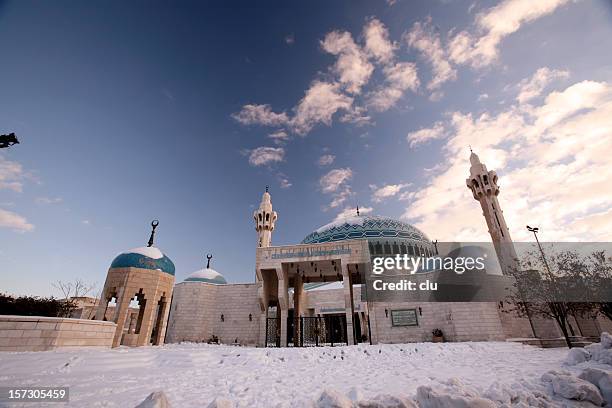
208 257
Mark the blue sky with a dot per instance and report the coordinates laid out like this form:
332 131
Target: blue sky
129 111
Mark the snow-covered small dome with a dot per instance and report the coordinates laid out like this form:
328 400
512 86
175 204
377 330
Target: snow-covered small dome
145 258
207 275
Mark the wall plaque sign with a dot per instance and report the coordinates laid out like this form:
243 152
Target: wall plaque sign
404 317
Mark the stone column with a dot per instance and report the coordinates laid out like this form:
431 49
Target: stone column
297 308
363 324
349 306
147 319
283 304
121 311
371 317
263 297
163 316
103 305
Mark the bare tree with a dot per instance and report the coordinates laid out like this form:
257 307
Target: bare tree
71 290
556 288
600 274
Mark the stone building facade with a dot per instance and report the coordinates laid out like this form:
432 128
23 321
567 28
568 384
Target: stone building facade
310 293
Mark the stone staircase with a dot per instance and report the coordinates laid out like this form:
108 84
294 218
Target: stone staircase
577 341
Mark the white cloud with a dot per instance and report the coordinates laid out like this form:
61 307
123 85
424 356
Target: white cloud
335 182
530 88
318 105
423 135
290 39
265 155
483 97
493 25
377 43
14 221
427 41
279 137
253 114
357 115
48 200
326 160
334 179
552 160
340 197
399 78
352 212
352 65
11 175
283 180
387 191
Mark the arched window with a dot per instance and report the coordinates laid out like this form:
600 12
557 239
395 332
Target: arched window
387 248
396 249
267 216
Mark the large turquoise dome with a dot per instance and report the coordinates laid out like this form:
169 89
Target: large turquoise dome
365 227
145 258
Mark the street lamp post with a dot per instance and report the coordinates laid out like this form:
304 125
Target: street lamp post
535 231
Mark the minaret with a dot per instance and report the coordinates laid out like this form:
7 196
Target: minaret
483 185
265 218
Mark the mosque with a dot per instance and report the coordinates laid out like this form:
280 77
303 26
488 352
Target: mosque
309 294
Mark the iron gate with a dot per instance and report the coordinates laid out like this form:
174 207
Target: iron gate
328 330
272 332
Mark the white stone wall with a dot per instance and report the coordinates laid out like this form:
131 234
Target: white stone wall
196 311
35 333
474 321
195 314
432 316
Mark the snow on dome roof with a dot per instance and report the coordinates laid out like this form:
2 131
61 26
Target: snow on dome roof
364 227
208 275
151 252
145 258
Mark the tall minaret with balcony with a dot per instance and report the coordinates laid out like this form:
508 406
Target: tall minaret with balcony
265 218
483 184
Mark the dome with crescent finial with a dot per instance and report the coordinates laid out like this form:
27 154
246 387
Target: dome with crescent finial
144 258
149 257
365 227
207 275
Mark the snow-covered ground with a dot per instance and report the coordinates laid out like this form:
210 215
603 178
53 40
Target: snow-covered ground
193 375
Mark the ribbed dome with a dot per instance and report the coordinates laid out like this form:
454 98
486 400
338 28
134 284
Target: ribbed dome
208 275
145 258
365 227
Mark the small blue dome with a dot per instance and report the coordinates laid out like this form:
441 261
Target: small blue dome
207 275
145 258
365 227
